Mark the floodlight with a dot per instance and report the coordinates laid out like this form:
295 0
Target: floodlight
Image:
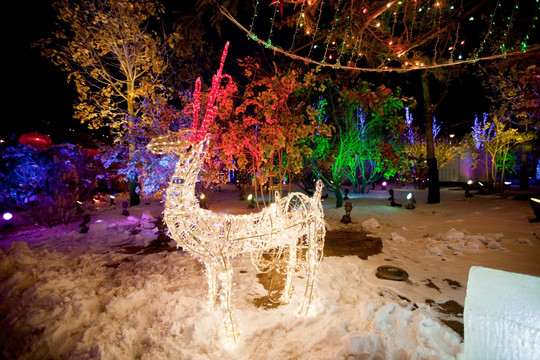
535 205
412 201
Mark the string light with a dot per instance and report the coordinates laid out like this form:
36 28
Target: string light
313 45
412 17
286 236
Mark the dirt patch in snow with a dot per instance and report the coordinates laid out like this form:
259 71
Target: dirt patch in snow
451 314
357 243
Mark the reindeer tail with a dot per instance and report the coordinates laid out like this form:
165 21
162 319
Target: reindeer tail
318 190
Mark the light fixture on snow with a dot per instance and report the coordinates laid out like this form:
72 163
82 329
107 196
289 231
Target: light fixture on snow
288 235
535 205
384 185
251 201
412 201
7 216
392 200
111 199
78 207
125 211
468 189
202 201
346 219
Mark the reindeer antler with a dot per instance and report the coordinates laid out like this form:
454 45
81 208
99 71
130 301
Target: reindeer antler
199 132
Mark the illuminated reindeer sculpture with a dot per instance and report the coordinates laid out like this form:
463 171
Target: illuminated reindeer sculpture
286 236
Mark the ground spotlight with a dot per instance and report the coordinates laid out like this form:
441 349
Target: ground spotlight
468 189
391 198
7 216
412 201
125 211
535 204
202 201
383 185
346 219
251 201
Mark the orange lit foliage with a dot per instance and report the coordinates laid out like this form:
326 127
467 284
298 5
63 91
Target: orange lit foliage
268 137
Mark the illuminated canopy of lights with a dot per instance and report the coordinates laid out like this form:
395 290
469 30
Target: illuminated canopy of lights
378 36
287 236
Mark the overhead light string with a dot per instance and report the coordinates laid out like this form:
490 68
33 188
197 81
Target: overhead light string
313 45
489 31
304 59
299 24
329 36
458 27
533 26
269 41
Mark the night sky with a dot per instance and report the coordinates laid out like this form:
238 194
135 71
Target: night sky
39 99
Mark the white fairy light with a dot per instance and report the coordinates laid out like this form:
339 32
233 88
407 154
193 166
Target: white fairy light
292 228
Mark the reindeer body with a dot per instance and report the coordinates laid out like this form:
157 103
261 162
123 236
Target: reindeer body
293 226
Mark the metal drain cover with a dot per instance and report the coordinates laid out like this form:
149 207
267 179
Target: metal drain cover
392 273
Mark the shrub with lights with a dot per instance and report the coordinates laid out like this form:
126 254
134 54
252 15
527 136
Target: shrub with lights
493 144
363 147
45 186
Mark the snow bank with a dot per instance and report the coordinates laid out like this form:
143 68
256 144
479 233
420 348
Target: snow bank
109 294
502 315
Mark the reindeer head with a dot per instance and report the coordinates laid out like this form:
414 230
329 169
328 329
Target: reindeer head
191 144
197 137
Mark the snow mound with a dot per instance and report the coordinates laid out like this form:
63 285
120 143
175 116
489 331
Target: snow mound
370 225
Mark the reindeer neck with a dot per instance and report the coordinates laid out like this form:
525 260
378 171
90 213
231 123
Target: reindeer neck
181 188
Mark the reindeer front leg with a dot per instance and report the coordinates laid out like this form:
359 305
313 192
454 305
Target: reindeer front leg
225 278
211 278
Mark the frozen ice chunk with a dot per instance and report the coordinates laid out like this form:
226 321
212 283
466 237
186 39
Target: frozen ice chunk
502 315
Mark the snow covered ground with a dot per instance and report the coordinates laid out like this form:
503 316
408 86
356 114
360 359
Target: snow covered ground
106 294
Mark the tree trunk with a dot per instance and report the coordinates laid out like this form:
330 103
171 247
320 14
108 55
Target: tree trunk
134 198
339 196
434 195
524 171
